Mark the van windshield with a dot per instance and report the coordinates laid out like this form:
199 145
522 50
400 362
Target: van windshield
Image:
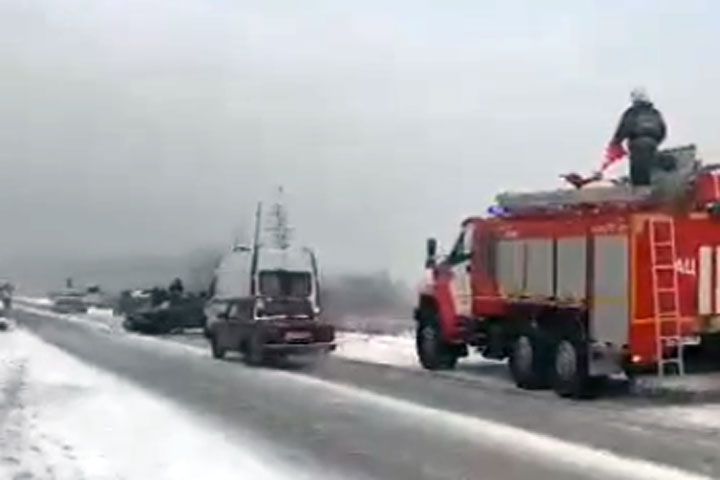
281 283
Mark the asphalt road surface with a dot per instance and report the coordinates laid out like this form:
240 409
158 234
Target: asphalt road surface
354 420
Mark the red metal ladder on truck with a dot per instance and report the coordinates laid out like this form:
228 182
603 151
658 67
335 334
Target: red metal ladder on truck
666 296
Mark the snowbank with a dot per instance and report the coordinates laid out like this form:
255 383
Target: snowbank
97 318
40 302
396 350
104 316
696 417
65 420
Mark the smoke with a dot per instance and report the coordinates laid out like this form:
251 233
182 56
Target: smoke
367 302
42 273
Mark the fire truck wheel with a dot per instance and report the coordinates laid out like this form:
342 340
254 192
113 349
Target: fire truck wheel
433 353
215 348
571 378
527 363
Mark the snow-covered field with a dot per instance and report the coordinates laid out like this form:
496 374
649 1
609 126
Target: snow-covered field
98 318
37 301
396 350
62 419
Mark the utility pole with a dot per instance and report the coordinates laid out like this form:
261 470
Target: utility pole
279 228
258 223
255 249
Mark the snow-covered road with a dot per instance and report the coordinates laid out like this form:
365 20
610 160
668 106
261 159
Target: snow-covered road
352 414
65 420
85 423
399 351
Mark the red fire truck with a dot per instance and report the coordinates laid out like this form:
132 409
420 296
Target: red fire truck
575 285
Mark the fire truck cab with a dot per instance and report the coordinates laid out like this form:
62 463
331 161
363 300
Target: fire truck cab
575 285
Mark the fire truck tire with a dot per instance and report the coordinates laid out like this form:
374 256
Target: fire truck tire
215 348
571 377
528 363
433 353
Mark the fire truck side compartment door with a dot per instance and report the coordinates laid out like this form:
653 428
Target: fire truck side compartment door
704 280
539 267
571 268
610 300
510 266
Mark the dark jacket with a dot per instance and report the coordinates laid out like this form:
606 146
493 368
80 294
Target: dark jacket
642 119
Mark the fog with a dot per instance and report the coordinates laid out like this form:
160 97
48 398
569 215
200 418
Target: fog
141 128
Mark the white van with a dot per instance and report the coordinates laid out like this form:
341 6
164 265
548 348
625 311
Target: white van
266 302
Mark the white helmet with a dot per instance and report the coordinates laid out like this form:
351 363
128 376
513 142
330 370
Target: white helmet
638 95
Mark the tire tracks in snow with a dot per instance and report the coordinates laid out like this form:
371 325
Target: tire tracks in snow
25 449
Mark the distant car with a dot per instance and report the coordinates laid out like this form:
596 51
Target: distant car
3 321
94 297
263 328
69 304
6 296
171 315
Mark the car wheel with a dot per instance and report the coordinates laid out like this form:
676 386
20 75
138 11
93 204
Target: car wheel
216 349
255 351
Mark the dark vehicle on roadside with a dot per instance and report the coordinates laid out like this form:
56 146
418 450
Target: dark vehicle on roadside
94 297
5 306
69 304
169 315
130 301
264 304
6 296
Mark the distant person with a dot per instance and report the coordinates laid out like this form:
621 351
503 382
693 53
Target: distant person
6 292
158 295
176 288
643 127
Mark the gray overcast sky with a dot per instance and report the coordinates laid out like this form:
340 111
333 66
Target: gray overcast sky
139 126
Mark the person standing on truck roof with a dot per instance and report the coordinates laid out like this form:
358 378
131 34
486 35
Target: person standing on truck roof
643 127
